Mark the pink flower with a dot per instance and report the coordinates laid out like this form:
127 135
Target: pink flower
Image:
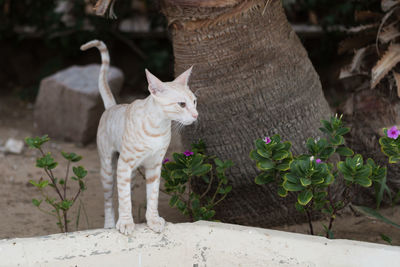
318 161
393 132
188 153
267 140
165 160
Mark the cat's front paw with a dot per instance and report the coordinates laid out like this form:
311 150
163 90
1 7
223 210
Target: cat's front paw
156 223
125 226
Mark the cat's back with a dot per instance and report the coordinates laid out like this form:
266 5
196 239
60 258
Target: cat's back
112 123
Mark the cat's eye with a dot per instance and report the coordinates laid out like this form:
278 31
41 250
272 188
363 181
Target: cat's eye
182 104
194 102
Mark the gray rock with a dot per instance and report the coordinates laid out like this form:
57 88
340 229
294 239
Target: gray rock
13 146
69 105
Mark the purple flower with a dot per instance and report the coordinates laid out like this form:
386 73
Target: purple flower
318 161
188 153
165 160
393 132
267 140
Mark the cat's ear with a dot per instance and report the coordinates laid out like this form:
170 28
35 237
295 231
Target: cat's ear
183 79
155 85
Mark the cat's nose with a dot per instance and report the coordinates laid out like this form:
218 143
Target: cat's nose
195 115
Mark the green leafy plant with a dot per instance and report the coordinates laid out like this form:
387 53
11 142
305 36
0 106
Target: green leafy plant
62 203
311 176
390 146
181 172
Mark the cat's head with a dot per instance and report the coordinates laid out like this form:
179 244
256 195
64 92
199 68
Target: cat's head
175 98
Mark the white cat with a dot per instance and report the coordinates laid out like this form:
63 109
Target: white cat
140 132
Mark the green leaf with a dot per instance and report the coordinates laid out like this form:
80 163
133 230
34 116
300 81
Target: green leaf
195 204
345 170
66 204
287 145
305 181
326 152
304 197
228 164
219 162
283 166
181 205
322 144
317 179
311 146
394 159
265 164
202 170
299 207
71 156
179 159
209 214
371 163
375 214
46 161
34 183
329 179
205 179
197 160
363 181
337 140
276 138
344 151
174 199
178 174
228 189
82 185
282 191
324 130
386 238
43 183
327 126
79 171
291 186
364 171
172 166
320 195
280 155
260 144
255 156
36 142
381 188
264 152
329 232
291 177
343 131
264 178
36 202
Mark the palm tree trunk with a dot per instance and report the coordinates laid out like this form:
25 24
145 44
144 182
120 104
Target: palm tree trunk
253 79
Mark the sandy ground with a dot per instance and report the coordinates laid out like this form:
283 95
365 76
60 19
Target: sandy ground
19 218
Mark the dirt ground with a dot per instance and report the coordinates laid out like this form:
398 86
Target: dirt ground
19 218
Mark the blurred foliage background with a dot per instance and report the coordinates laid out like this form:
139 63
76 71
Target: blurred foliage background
38 38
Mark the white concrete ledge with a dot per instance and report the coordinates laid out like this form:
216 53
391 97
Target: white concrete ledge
193 244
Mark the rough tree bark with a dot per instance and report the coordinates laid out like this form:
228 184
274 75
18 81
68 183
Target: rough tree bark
253 79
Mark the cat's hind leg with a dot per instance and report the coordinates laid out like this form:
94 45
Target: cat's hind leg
153 172
107 179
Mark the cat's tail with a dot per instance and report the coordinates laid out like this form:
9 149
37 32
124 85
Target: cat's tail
104 88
